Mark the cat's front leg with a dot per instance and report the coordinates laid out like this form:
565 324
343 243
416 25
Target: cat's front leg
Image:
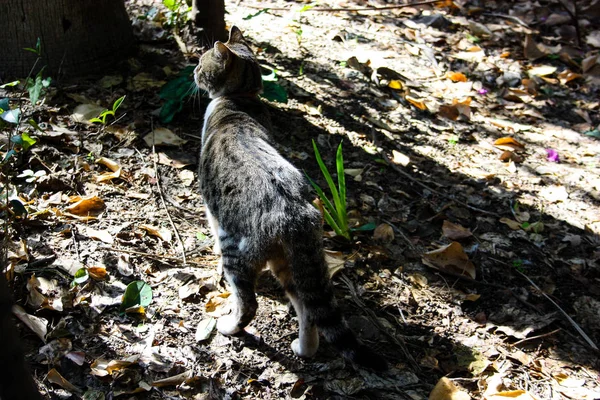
307 343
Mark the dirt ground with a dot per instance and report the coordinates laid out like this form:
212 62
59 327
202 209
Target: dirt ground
472 152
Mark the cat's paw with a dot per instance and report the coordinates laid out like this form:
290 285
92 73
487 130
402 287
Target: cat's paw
303 351
228 325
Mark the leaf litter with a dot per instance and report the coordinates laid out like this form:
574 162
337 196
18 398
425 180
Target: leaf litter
465 99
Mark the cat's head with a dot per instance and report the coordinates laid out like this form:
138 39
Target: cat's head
229 68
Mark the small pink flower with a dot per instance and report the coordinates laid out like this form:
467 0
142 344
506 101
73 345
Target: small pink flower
552 155
482 91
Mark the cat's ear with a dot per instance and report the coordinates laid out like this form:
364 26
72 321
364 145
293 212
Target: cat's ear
221 50
235 35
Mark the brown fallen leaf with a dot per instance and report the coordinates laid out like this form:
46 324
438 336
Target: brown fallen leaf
110 164
512 224
335 262
508 156
162 233
445 389
102 235
511 394
508 143
163 137
216 300
97 273
384 233
38 325
419 103
533 50
173 380
455 231
86 205
55 377
450 258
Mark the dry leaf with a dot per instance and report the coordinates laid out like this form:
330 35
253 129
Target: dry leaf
456 76
36 324
97 273
55 377
173 380
542 70
112 165
455 231
508 143
162 233
205 328
86 205
449 111
510 394
187 177
335 262
216 300
384 233
445 389
450 258
532 50
102 235
84 112
163 137
416 102
507 156
399 158
514 225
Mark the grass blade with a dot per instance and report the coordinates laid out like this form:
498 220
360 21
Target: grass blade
332 187
339 163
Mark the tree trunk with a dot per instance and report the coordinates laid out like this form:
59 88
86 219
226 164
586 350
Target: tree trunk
77 36
15 381
209 15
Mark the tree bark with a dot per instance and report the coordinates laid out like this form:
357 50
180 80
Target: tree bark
209 15
77 36
16 382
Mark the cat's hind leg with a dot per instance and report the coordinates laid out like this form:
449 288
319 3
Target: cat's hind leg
307 343
240 273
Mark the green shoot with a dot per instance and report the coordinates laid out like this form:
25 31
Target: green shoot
104 114
334 213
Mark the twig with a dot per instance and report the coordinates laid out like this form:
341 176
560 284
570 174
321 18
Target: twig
375 321
75 244
517 20
164 204
150 255
563 312
536 337
323 9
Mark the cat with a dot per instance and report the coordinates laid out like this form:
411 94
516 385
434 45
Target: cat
259 208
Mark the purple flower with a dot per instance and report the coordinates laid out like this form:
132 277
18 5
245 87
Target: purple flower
482 91
552 155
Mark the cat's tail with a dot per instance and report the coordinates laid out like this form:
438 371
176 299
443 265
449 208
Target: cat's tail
314 291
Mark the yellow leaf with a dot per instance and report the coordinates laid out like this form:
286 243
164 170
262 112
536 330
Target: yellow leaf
508 143
416 102
86 205
445 389
395 84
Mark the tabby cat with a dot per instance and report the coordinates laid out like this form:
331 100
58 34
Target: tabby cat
259 207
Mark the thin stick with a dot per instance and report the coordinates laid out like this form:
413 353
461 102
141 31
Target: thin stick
563 312
150 255
322 9
164 204
536 337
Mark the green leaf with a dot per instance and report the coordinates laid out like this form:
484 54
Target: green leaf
594 133
96 120
81 276
18 207
9 154
306 7
256 14
27 141
117 104
10 84
272 77
34 125
138 293
201 236
334 192
175 92
4 104
327 204
274 92
7 114
365 228
171 4
339 163
34 87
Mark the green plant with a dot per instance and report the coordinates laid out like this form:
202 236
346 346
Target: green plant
104 114
178 13
334 213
